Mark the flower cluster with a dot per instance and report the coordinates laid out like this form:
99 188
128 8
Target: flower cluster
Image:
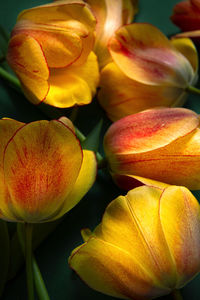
148 243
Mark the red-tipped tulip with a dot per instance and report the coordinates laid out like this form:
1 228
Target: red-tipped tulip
43 170
147 245
158 144
147 71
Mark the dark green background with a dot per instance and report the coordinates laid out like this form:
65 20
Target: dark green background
53 253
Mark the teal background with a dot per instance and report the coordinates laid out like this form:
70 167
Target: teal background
53 253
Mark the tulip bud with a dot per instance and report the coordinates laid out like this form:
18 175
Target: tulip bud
159 144
147 71
186 15
43 171
51 52
147 245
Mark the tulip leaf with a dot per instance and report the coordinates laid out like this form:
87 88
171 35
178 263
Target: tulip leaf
92 140
4 257
40 233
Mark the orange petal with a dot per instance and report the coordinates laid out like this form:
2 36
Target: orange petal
31 69
180 218
73 85
121 96
144 54
177 163
41 163
8 128
149 130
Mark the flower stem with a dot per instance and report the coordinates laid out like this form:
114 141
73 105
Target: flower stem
29 262
10 78
39 282
177 295
193 90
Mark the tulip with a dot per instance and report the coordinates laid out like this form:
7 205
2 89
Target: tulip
186 15
147 245
158 144
51 52
110 15
43 171
147 71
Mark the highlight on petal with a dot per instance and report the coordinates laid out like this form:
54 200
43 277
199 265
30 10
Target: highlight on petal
32 70
73 85
41 163
121 96
144 54
149 130
110 15
84 182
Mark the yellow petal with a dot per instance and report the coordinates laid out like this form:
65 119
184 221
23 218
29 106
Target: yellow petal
144 54
41 163
128 225
84 182
31 69
187 48
121 96
64 23
73 85
111 270
180 218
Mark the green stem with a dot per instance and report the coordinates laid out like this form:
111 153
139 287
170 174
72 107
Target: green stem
74 113
10 78
29 262
39 282
177 295
193 90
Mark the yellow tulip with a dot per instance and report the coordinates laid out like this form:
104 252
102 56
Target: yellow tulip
51 52
147 245
43 170
147 71
158 144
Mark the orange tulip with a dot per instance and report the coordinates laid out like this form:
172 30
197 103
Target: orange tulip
147 71
51 52
43 171
147 245
186 15
158 144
